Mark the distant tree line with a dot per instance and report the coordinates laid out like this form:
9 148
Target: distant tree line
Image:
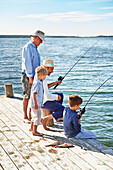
28 36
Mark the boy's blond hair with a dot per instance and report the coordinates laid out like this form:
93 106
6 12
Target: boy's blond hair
74 100
41 70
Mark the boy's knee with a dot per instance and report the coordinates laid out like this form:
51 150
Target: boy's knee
61 94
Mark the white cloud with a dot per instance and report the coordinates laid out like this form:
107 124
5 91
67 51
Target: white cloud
108 15
93 1
106 8
34 16
73 16
20 1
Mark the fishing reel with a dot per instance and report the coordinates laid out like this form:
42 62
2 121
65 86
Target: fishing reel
59 79
82 111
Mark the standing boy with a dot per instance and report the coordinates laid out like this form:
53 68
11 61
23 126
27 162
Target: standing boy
37 93
72 127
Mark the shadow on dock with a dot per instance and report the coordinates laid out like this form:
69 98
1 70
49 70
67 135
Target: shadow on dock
18 98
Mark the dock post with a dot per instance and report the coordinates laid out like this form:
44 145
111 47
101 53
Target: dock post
46 112
9 90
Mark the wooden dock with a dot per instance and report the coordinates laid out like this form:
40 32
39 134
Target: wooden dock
19 149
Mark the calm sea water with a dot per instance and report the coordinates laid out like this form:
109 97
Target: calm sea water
90 72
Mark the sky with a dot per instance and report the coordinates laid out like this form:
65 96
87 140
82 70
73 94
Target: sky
56 17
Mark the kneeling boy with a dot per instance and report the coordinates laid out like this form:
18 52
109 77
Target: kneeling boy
72 127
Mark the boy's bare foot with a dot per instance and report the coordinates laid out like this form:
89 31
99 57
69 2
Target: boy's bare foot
30 130
37 134
44 124
59 119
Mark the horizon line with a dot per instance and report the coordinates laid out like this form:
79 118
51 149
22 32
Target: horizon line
53 36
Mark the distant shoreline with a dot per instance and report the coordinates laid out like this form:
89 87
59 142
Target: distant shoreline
28 36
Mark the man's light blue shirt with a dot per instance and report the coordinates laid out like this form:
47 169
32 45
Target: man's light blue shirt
30 59
37 88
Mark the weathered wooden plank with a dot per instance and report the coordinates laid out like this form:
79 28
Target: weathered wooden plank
15 156
100 146
89 157
92 150
14 107
64 162
64 153
82 156
5 160
88 143
39 152
23 149
68 160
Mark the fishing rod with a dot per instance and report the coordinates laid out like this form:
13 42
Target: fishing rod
61 78
82 111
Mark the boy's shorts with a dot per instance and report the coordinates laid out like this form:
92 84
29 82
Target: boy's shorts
36 116
26 86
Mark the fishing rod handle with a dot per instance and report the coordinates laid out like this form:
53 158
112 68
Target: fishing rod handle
55 86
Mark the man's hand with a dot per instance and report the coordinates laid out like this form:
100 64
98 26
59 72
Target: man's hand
59 98
58 82
54 84
30 80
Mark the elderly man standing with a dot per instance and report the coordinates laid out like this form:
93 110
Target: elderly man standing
52 101
30 61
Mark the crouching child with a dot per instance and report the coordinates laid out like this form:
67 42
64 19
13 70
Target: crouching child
72 127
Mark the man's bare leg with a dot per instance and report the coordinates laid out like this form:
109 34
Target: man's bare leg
25 105
45 119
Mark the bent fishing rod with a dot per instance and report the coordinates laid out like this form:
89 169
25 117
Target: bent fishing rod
82 111
61 78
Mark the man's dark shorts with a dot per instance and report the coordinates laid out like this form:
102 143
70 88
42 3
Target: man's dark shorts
55 106
26 86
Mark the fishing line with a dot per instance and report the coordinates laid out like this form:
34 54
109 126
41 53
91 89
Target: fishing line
83 110
61 78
